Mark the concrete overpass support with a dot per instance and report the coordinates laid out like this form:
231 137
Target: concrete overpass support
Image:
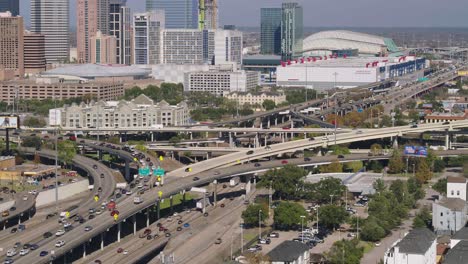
248 185
134 224
99 154
152 136
215 192
257 141
230 140
447 140
84 250
102 241
119 230
158 210
276 121
171 200
268 123
147 217
127 170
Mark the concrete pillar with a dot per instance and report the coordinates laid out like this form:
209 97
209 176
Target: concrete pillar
268 123
248 185
276 121
183 197
19 219
191 135
152 136
147 217
215 192
102 241
261 123
84 250
204 203
100 154
134 224
158 210
283 135
230 140
447 140
120 138
256 142
171 200
305 135
119 229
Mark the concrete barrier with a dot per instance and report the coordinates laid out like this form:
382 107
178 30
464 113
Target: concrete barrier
48 197
6 205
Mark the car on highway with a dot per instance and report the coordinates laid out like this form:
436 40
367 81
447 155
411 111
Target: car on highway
250 152
274 234
179 228
24 252
188 169
60 232
257 164
264 241
60 243
446 123
91 216
99 189
25 197
102 175
95 166
11 252
307 159
218 241
91 211
14 230
168 234
341 156
5 214
284 162
88 228
66 224
13 209
359 132
195 179
43 253
21 227
8 261
47 234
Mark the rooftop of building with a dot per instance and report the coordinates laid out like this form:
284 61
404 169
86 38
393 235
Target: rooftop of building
349 62
417 241
454 204
269 93
2 158
448 115
458 254
98 70
261 60
461 234
32 170
454 179
140 101
287 251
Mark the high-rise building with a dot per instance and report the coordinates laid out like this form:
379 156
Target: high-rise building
10 5
146 37
11 43
34 52
120 27
210 16
92 16
51 18
292 30
102 49
178 13
270 30
227 47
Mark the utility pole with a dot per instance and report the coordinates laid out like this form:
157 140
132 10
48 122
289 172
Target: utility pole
242 237
259 224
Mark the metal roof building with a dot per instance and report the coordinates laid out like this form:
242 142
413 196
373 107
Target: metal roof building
96 71
324 42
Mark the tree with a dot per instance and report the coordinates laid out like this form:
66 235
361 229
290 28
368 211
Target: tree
441 186
321 191
66 151
32 142
339 150
250 214
175 140
332 216
396 165
423 173
353 166
345 252
376 149
423 218
439 165
268 104
376 166
287 181
371 231
32 121
379 185
288 215
257 258
415 188
335 166
141 148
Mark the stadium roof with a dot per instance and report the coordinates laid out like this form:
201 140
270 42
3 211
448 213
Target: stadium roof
344 39
98 70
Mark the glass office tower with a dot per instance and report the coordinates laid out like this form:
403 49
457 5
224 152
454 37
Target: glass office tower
270 30
292 31
178 13
10 5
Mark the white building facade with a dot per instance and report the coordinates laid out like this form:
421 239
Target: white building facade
456 188
449 215
253 98
417 247
220 82
141 112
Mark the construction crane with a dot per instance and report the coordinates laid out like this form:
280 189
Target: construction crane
207 14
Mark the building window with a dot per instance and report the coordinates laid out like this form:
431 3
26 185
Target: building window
441 214
458 192
452 192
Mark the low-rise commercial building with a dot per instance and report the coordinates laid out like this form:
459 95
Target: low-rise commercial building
256 98
417 247
290 252
449 215
141 112
58 87
101 72
457 187
220 82
445 117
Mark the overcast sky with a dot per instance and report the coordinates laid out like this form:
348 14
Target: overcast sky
337 13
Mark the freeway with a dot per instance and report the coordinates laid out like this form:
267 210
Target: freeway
194 149
36 235
22 207
292 146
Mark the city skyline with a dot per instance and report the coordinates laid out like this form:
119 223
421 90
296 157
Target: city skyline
360 13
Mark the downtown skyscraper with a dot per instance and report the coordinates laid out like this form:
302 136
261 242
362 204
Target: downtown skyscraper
120 27
51 19
292 30
178 13
92 16
10 5
270 30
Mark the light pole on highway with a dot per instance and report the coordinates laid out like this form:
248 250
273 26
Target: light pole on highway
259 224
302 227
56 157
242 237
269 201
331 198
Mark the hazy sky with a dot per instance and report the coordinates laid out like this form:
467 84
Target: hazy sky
338 13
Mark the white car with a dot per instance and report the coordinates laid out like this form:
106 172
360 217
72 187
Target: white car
98 212
60 232
11 253
24 252
125 252
66 224
129 192
25 197
60 243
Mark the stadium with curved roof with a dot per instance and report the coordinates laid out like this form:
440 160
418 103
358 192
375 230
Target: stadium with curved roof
99 71
326 42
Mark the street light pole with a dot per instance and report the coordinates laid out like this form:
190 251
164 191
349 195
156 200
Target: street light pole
259 224
331 198
56 157
269 200
242 237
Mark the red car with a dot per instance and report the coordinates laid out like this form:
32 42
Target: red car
161 228
284 162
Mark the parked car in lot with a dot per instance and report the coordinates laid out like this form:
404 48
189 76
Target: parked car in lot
274 234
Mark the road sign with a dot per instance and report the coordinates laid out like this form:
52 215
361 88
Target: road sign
160 193
144 171
360 110
67 214
159 171
161 158
96 198
116 217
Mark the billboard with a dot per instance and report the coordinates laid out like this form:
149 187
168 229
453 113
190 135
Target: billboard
415 151
9 121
